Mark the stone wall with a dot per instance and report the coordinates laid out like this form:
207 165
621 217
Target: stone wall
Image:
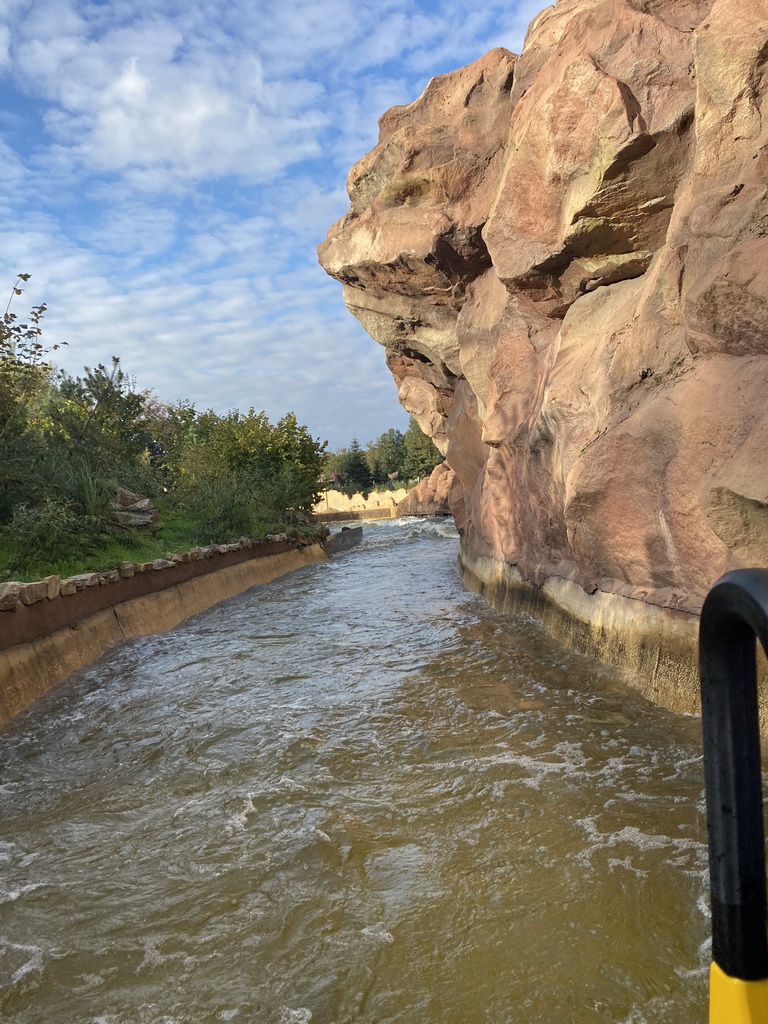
53 627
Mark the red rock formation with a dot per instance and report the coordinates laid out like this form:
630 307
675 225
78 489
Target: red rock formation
565 256
432 495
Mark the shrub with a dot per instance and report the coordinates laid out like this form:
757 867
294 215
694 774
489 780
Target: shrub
50 532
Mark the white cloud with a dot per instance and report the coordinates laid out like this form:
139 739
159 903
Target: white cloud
168 169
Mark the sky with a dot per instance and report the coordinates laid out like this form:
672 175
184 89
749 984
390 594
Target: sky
167 168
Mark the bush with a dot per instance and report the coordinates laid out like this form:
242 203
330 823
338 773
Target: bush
52 532
234 504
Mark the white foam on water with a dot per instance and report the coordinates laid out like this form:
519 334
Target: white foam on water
654 1011
89 982
30 967
377 532
702 969
570 761
379 933
195 802
152 956
11 895
626 862
238 821
702 905
645 842
7 850
299 1016
290 785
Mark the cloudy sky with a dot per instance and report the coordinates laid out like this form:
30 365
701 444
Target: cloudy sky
168 167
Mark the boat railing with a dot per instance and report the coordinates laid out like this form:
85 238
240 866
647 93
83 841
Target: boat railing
734 616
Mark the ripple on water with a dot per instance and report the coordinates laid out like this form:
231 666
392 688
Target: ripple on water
356 794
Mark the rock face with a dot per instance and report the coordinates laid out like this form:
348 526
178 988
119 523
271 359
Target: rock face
432 495
135 511
564 254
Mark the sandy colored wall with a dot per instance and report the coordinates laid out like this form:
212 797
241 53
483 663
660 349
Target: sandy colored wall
336 501
30 670
348 517
657 648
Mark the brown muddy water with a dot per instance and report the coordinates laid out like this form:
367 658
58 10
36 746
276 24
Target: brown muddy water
356 794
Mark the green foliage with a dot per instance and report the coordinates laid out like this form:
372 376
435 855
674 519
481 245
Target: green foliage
250 444
393 456
420 454
52 530
24 378
230 504
351 467
99 418
274 467
24 372
173 429
385 456
67 443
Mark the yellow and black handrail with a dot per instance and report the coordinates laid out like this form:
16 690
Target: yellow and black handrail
735 613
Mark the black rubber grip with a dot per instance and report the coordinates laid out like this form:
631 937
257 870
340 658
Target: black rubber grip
735 613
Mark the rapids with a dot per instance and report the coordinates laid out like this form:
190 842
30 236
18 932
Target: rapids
355 794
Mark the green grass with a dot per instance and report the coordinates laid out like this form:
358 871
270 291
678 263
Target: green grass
117 548
181 531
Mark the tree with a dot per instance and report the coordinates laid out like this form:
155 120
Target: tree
421 456
99 419
385 456
25 379
242 474
248 444
352 468
171 428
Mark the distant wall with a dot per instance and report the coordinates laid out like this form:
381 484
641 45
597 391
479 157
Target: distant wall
337 501
345 517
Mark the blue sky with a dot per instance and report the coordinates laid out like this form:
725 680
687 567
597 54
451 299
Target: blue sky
167 169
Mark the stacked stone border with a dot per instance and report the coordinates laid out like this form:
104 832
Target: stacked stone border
52 627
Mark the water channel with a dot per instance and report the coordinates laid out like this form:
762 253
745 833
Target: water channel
356 794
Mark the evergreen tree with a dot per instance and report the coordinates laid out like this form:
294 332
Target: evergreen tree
420 454
352 468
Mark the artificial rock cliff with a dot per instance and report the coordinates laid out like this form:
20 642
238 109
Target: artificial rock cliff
564 254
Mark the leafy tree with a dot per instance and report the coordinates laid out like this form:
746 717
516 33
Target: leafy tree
24 371
99 418
237 468
250 445
420 454
385 456
171 428
25 379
